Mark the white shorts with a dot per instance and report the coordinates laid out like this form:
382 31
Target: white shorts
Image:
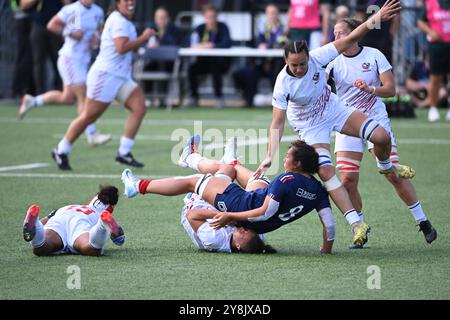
335 120
105 87
73 72
69 226
355 144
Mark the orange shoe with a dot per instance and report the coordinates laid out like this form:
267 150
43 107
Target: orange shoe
29 225
117 235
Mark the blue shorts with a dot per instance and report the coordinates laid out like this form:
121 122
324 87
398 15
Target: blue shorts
236 199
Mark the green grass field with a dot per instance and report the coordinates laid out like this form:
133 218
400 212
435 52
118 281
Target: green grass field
158 260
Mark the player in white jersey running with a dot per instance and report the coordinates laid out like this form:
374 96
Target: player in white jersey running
79 229
110 78
78 23
362 76
302 95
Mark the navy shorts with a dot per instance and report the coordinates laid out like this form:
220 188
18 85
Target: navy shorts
236 199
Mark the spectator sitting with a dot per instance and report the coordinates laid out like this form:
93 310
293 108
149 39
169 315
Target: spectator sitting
211 34
418 82
167 35
270 35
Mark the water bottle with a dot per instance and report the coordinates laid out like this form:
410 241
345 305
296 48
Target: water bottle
195 38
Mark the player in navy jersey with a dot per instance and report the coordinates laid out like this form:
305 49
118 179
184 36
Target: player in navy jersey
265 208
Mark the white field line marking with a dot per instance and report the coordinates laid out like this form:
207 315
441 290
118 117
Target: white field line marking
68 175
25 167
231 123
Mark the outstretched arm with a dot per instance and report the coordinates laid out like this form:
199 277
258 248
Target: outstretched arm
329 229
275 135
264 212
388 11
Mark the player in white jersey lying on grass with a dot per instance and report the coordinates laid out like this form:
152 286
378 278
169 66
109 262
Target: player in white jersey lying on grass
79 229
78 23
110 78
362 76
263 206
302 95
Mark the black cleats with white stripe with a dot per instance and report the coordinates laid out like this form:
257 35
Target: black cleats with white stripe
62 160
129 160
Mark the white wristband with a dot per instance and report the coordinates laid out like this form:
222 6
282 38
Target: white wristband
373 91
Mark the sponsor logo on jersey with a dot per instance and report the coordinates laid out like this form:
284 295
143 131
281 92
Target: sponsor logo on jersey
305 194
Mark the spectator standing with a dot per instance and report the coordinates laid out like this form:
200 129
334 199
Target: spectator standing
435 22
305 21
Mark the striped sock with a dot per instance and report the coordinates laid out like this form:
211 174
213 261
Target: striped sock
384 164
361 216
351 216
417 212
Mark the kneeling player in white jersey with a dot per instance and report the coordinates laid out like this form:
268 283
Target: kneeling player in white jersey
110 78
79 229
79 23
362 75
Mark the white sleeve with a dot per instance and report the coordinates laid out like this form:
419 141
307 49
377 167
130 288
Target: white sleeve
212 239
383 64
63 14
326 214
280 95
272 208
119 29
324 55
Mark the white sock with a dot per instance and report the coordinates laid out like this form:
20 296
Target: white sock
98 235
417 212
193 160
351 216
39 237
39 101
385 164
126 144
90 130
433 107
64 147
361 216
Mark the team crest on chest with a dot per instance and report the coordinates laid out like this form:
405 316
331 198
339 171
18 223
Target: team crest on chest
366 66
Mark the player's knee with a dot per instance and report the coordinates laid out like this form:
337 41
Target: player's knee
372 131
40 252
350 182
326 172
381 137
227 170
68 98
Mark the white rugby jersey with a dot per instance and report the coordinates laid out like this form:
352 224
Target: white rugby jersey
109 59
90 211
367 65
209 238
78 17
305 99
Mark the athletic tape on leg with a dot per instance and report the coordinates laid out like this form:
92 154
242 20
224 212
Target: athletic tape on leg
202 183
368 128
345 164
324 157
332 184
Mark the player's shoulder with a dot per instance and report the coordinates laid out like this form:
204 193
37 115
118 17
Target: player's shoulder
97 9
285 178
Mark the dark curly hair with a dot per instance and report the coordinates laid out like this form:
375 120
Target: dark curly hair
108 194
307 155
255 245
